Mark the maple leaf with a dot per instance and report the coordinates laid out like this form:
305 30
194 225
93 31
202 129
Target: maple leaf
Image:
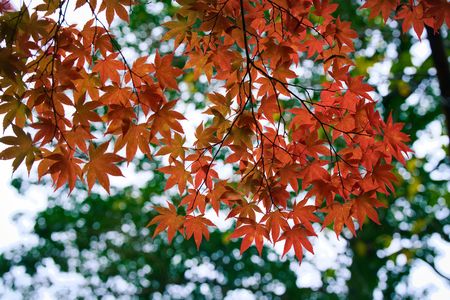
85 113
10 64
385 7
251 232
49 6
108 68
119 118
323 8
204 172
330 140
336 56
194 200
274 194
304 214
357 87
297 238
339 214
14 110
266 86
290 174
313 45
412 16
5 6
168 219
62 166
244 210
221 104
365 205
314 171
198 227
77 137
46 130
341 33
21 148
178 175
379 179
88 84
283 73
115 94
115 7
100 165
277 222
302 118
165 72
223 193
177 30
166 119
204 137
322 190
270 108
95 35
202 64
439 10
140 71
136 136
394 141
151 98
174 147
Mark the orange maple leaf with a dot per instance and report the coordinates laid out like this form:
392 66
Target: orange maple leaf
109 68
169 219
178 175
276 221
115 7
165 72
63 167
21 148
174 147
136 136
166 119
100 165
251 231
197 226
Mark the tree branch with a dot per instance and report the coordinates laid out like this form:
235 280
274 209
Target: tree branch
443 72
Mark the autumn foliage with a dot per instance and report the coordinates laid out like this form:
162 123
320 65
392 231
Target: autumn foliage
301 154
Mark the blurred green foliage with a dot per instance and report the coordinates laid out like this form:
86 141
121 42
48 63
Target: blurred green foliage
105 238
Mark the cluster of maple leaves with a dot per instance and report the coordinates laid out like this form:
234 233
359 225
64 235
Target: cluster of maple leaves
59 80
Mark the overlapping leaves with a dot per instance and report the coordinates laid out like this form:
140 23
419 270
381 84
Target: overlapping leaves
58 81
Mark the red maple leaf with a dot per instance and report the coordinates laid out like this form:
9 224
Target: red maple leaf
251 232
197 226
339 214
394 141
385 7
365 205
304 214
297 238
